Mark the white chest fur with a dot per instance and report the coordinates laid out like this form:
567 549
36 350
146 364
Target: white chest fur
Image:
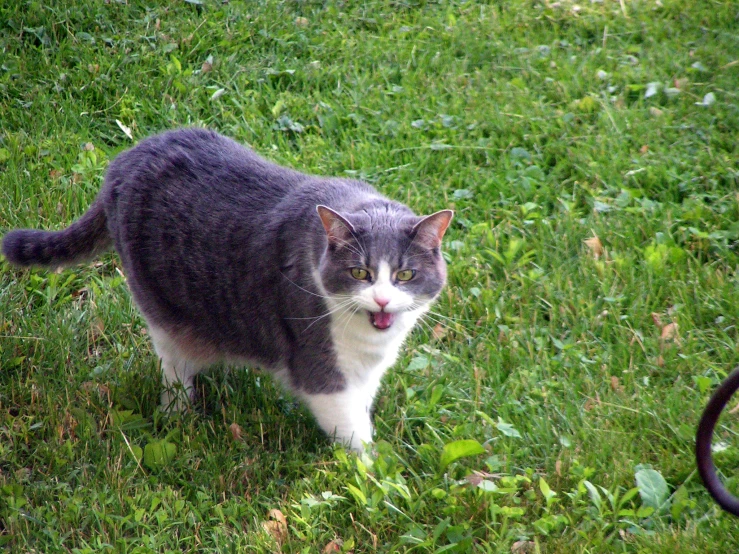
364 353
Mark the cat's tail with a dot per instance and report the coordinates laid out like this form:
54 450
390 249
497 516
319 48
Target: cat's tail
83 240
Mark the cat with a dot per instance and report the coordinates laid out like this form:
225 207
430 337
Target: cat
704 434
231 258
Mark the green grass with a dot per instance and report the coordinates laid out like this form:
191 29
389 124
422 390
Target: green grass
531 120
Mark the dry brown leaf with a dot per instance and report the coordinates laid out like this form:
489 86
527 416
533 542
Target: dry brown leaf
669 332
98 328
660 361
207 66
595 246
276 526
616 385
237 433
591 403
334 546
644 149
474 479
558 467
439 331
523 547
682 83
101 388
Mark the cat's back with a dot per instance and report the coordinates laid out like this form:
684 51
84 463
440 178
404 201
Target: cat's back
193 164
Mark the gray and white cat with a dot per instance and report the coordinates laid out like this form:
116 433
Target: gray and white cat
232 258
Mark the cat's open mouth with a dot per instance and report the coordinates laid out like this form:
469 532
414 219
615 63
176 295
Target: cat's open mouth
381 320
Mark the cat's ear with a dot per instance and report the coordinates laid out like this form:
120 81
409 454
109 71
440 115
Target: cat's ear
338 229
430 230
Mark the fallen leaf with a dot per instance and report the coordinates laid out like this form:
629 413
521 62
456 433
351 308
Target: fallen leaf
595 246
669 331
558 467
301 21
523 547
276 526
644 149
660 361
439 331
681 83
334 546
657 319
591 403
474 479
206 67
98 328
616 385
237 433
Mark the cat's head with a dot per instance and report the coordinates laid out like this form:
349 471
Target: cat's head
383 261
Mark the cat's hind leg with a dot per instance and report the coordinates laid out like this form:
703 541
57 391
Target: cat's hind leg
179 368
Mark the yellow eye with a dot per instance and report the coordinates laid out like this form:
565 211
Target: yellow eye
405 274
359 273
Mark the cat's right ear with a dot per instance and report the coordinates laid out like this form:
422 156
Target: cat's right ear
338 229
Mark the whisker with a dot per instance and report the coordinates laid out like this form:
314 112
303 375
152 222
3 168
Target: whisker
340 308
348 319
336 308
301 288
348 245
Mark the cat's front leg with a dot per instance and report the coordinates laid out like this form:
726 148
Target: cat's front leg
344 415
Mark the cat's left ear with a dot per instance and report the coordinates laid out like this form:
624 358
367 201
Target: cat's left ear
430 230
338 229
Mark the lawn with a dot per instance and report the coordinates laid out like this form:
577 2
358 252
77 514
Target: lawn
547 405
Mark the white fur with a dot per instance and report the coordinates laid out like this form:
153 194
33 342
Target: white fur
178 371
363 355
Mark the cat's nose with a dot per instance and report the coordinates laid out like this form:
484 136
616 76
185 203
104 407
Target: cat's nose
382 302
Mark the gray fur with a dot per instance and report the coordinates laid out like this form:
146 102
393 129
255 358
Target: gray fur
220 248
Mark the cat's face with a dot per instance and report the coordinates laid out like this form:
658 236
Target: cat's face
382 264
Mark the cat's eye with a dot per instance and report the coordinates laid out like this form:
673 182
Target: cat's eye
405 274
360 274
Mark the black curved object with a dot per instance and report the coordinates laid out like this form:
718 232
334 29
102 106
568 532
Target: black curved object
703 456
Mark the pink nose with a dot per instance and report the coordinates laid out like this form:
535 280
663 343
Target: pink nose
382 302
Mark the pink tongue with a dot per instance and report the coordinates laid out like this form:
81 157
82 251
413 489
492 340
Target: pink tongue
382 320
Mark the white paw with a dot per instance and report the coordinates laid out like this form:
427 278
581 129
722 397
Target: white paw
175 399
357 438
